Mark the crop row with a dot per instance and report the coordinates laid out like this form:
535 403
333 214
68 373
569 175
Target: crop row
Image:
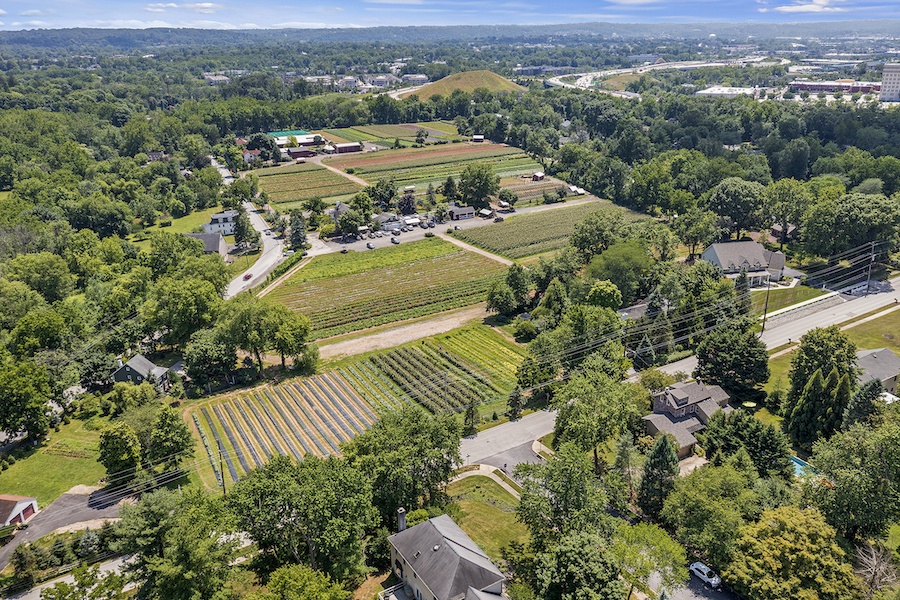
419 157
304 167
278 183
349 134
449 164
304 416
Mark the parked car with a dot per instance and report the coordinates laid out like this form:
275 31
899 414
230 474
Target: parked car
371 236
423 225
456 227
305 253
345 250
370 246
248 276
395 231
705 574
498 219
431 224
395 240
288 252
379 234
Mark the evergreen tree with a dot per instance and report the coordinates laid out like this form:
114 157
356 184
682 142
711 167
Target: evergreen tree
803 421
626 460
663 339
430 196
298 230
470 426
449 189
658 479
742 293
645 356
863 405
839 400
516 402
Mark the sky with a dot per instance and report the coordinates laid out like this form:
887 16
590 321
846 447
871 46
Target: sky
252 14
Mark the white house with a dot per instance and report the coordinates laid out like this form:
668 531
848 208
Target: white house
16 509
222 222
760 264
436 560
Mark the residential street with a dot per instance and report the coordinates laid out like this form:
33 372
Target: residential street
272 255
503 438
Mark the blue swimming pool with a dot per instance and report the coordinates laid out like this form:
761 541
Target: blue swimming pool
799 466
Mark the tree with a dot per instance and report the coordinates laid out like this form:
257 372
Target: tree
477 183
875 567
470 421
88 584
316 208
790 553
820 349
406 205
695 228
312 512
298 230
25 390
245 235
733 358
804 420
383 192
626 265
179 307
786 200
605 293
508 196
44 272
658 479
519 282
864 404
644 549
581 567
449 189
250 326
408 456
597 232
120 452
560 497
290 333
299 582
350 221
515 402
170 441
592 409
768 448
739 200
500 299
209 356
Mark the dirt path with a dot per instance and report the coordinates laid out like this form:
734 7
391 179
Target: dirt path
401 334
284 277
353 178
474 249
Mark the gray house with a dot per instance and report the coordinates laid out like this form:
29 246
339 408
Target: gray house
436 560
879 364
139 369
682 410
732 257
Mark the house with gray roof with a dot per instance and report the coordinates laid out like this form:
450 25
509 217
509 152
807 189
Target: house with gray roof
140 369
213 243
436 560
683 409
762 265
881 364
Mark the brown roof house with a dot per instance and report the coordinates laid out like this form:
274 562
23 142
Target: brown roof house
732 257
683 409
16 509
436 560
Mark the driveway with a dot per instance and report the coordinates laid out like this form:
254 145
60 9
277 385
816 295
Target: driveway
272 255
66 510
694 590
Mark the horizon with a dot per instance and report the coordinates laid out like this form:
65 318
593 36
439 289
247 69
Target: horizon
19 15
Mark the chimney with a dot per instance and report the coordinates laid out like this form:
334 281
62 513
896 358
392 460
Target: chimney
401 519
119 362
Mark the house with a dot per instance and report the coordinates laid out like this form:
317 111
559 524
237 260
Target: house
347 83
222 222
461 212
682 410
213 243
213 79
879 364
339 209
16 509
791 231
477 138
139 369
250 156
157 156
387 221
539 176
732 257
348 147
436 560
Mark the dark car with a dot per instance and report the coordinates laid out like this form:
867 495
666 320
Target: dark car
498 219
248 276
395 240
344 250
370 245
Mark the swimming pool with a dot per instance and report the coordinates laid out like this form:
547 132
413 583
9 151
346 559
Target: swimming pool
799 466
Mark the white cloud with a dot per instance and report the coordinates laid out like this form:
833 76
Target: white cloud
29 24
31 13
160 6
2 12
310 25
813 6
131 24
203 7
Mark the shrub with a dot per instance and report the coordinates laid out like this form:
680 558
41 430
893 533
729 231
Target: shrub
429 234
165 223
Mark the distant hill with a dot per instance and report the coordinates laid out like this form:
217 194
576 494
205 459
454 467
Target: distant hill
467 82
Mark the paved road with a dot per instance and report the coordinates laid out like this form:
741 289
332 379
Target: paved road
481 447
105 567
272 255
694 590
65 510
791 330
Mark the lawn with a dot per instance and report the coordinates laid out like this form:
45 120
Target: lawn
341 293
186 224
524 235
243 262
782 298
487 514
66 459
294 183
467 81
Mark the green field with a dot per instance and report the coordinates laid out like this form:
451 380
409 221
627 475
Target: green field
186 224
487 514
348 292
66 459
524 235
442 126
783 298
315 415
433 164
304 181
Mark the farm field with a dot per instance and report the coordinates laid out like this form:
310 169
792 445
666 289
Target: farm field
348 292
524 235
317 414
528 191
433 164
303 181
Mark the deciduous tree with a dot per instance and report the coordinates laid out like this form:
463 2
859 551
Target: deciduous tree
581 567
734 358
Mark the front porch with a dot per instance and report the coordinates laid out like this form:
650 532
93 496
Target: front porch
395 592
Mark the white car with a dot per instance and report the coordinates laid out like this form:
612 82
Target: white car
705 574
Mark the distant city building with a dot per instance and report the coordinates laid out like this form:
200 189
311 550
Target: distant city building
847 86
890 83
718 91
415 78
212 79
542 70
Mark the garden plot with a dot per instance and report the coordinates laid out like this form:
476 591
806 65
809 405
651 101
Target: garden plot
348 292
302 182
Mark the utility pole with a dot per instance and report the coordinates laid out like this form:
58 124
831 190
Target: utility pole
871 262
222 472
765 307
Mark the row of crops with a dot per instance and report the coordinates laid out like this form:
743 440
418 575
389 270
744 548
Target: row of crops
317 414
302 184
354 291
525 235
